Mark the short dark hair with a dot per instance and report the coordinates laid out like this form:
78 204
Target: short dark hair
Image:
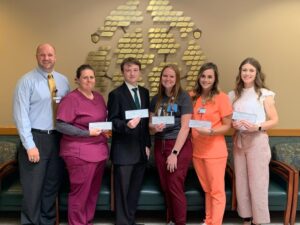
83 67
130 60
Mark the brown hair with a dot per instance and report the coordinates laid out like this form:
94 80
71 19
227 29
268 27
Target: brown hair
130 60
259 81
176 90
198 90
83 67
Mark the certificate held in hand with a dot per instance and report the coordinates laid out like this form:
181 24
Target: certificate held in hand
249 117
139 113
200 123
163 120
101 125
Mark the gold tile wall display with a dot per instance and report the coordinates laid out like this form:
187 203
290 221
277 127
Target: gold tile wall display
123 16
159 39
172 36
131 45
100 60
193 58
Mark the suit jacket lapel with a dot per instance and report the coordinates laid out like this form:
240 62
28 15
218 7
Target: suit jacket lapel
128 96
142 96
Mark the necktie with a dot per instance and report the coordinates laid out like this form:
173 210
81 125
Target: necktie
136 98
52 88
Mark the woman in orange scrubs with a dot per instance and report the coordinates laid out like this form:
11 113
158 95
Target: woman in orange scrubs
213 108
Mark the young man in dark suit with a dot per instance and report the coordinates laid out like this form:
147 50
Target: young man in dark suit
130 147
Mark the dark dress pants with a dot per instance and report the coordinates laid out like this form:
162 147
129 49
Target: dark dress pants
127 185
40 181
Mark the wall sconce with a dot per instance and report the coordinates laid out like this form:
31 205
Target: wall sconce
95 37
197 33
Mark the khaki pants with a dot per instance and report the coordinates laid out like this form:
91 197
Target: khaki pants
251 161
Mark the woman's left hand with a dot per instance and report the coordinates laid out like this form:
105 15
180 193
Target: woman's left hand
251 127
172 162
95 132
203 130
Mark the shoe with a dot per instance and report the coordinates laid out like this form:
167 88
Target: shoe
203 223
247 221
171 223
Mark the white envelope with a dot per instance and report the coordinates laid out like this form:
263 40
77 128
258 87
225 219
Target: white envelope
141 113
200 123
101 125
244 116
163 120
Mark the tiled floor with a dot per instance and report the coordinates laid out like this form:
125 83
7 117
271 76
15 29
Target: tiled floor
147 218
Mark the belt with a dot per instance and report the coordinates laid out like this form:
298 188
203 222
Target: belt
43 131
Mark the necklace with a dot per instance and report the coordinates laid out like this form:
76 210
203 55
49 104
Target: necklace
203 100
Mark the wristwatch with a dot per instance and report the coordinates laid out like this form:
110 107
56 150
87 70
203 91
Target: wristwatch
175 152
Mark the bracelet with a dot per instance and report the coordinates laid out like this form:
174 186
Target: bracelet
211 132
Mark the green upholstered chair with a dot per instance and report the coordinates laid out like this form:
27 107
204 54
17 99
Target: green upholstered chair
10 197
289 153
8 157
151 196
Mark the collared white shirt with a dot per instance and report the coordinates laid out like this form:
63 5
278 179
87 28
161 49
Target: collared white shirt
130 87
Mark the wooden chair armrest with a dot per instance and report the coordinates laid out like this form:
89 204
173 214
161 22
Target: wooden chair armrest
287 173
230 173
284 170
8 168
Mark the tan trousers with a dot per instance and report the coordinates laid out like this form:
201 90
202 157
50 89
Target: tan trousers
252 156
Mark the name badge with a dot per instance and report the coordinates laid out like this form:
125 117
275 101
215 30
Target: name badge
172 108
202 110
57 99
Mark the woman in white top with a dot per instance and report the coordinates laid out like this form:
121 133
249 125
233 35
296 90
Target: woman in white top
254 113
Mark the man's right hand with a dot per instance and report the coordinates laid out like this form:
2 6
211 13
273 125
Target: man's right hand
33 155
133 123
